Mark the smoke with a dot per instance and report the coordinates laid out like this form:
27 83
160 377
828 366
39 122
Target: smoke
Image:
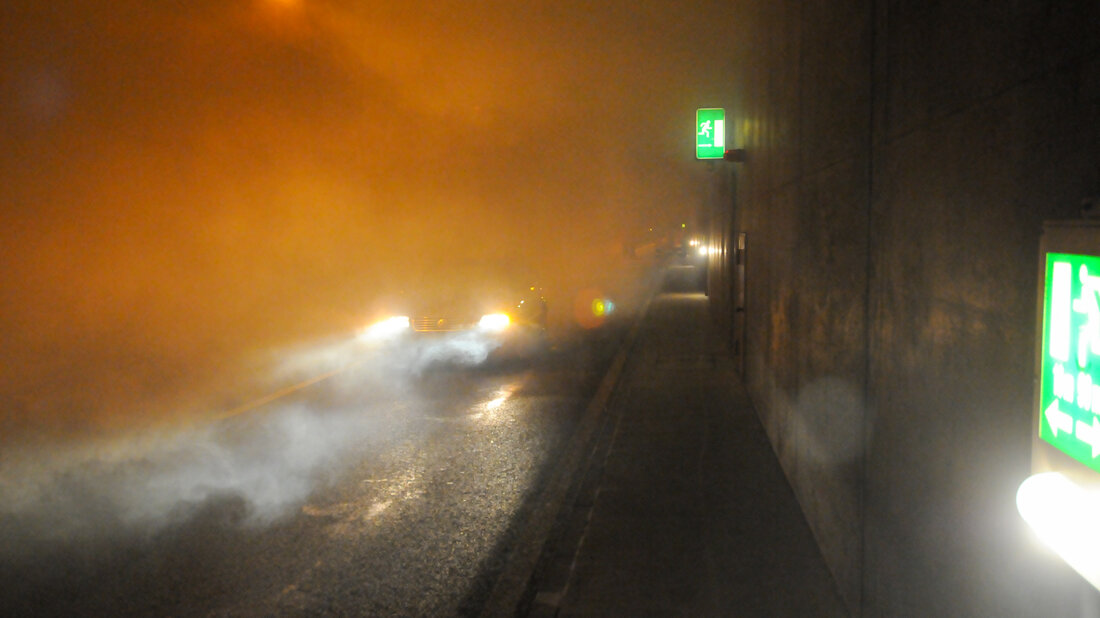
204 201
147 482
196 192
269 455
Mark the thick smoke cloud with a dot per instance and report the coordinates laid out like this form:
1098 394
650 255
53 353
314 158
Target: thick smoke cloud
266 457
193 192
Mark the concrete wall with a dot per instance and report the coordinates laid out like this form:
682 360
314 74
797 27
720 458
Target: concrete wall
902 156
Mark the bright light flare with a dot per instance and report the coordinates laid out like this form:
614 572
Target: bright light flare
385 329
494 322
1064 515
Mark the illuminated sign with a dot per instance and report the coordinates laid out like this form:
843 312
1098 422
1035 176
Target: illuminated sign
710 133
1069 397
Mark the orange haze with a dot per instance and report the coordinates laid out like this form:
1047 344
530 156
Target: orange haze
188 186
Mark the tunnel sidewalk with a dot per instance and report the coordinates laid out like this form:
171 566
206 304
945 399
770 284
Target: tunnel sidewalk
680 507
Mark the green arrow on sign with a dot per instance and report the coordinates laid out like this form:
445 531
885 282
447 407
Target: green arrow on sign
1069 394
1090 435
710 133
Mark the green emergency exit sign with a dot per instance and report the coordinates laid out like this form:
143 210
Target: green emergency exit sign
1069 396
710 133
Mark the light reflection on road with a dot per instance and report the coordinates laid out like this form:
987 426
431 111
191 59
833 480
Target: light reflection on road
490 412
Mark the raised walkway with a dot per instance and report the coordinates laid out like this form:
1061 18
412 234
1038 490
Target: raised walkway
677 506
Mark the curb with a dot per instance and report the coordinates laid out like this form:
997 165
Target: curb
514 583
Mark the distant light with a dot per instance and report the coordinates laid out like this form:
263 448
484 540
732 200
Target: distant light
602 307
683 225
286 7
590 308
494 322
1064 516
704 250
385 329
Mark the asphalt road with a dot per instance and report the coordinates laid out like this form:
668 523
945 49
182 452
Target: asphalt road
376 491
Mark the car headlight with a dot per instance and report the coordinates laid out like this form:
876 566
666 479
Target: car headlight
385 329
494 322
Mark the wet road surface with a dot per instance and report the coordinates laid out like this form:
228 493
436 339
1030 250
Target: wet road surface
369 493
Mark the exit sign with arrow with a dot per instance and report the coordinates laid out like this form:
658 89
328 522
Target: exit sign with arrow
1069 396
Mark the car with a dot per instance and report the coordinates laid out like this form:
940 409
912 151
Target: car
460 323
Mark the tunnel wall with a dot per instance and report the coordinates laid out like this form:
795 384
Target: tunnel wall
901 159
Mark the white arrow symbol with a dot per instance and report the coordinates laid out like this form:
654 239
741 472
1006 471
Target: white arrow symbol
1090 434
1058 419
